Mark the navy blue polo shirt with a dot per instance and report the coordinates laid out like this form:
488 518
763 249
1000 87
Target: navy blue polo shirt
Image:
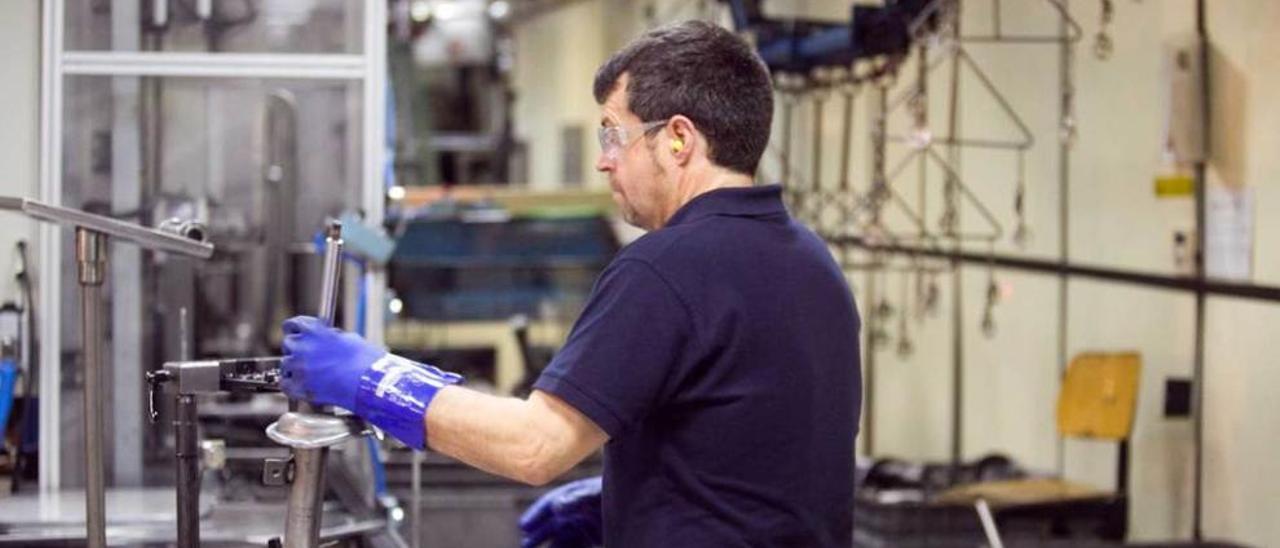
720 354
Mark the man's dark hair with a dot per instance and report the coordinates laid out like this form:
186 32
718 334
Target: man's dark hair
707 74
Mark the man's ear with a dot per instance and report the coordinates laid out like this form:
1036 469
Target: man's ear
683 138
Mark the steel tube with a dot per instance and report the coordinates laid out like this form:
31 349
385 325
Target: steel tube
106 226
91 262
306 493
1197 371
187 462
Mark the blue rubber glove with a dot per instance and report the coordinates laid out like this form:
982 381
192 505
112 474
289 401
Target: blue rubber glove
328 366
567 516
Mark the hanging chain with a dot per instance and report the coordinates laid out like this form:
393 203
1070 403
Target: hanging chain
788 97
905 346
815 200
993 295
921 136
1103 46
1021 233
879 193
1067 126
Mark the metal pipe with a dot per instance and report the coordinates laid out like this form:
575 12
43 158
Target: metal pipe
871 327
416 504
957 282
1066 83
91 262
149 238
331 272
1265 293
306 493
187 462
1197 372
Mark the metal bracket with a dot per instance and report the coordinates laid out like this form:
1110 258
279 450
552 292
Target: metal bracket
276 472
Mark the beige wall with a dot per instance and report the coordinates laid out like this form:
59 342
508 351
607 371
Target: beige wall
1012 379
556 58
19 127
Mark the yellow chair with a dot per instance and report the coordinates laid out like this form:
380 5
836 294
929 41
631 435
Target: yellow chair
1098 401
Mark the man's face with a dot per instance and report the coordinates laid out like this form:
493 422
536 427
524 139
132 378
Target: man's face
639 184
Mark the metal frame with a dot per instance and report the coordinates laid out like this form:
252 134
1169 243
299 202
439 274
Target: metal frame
369 67
1190 284
213 65
91 232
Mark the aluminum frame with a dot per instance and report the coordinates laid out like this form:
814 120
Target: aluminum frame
368 67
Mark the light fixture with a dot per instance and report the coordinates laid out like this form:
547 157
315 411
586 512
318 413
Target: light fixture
420 11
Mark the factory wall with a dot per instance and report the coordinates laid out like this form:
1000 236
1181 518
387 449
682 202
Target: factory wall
1011 378
556 58
20 130
557 55
1010 382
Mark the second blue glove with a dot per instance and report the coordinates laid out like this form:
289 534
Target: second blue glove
568 516
327 366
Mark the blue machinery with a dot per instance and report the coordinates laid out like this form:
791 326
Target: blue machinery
800 46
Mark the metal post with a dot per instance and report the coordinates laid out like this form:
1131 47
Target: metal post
91 262
306 493
957 282
415 528
1066 82
187 456
1197 373
871 328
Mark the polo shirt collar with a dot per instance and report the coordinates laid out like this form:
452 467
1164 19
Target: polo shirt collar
753 201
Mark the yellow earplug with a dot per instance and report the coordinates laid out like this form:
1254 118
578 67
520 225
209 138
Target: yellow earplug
677 145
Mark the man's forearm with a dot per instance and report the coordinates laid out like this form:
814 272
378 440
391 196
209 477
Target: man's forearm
532 441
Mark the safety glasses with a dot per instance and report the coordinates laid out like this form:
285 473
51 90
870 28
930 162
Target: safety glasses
613 139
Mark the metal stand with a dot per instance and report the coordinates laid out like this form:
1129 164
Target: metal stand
187 458
91 263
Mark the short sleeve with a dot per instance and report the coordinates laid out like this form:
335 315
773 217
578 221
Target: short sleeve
630 339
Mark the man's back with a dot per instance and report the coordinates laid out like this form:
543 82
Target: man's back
734 423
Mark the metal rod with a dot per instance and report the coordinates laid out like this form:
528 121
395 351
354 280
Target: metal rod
91 262
1197 373
416 504
214 65
1210 287
331 272
106 226
306 493
968 142
952 166
871 328
187 462
1066 83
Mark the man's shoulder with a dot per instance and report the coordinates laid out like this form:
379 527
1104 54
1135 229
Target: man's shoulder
676 247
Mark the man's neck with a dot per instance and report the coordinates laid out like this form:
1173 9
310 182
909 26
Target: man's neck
713 179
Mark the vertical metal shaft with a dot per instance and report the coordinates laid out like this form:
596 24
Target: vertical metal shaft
91 262
187 456
871 327
1066 82
416 503
306 493
1197 374
957 281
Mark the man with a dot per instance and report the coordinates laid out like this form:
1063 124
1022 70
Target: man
717 359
